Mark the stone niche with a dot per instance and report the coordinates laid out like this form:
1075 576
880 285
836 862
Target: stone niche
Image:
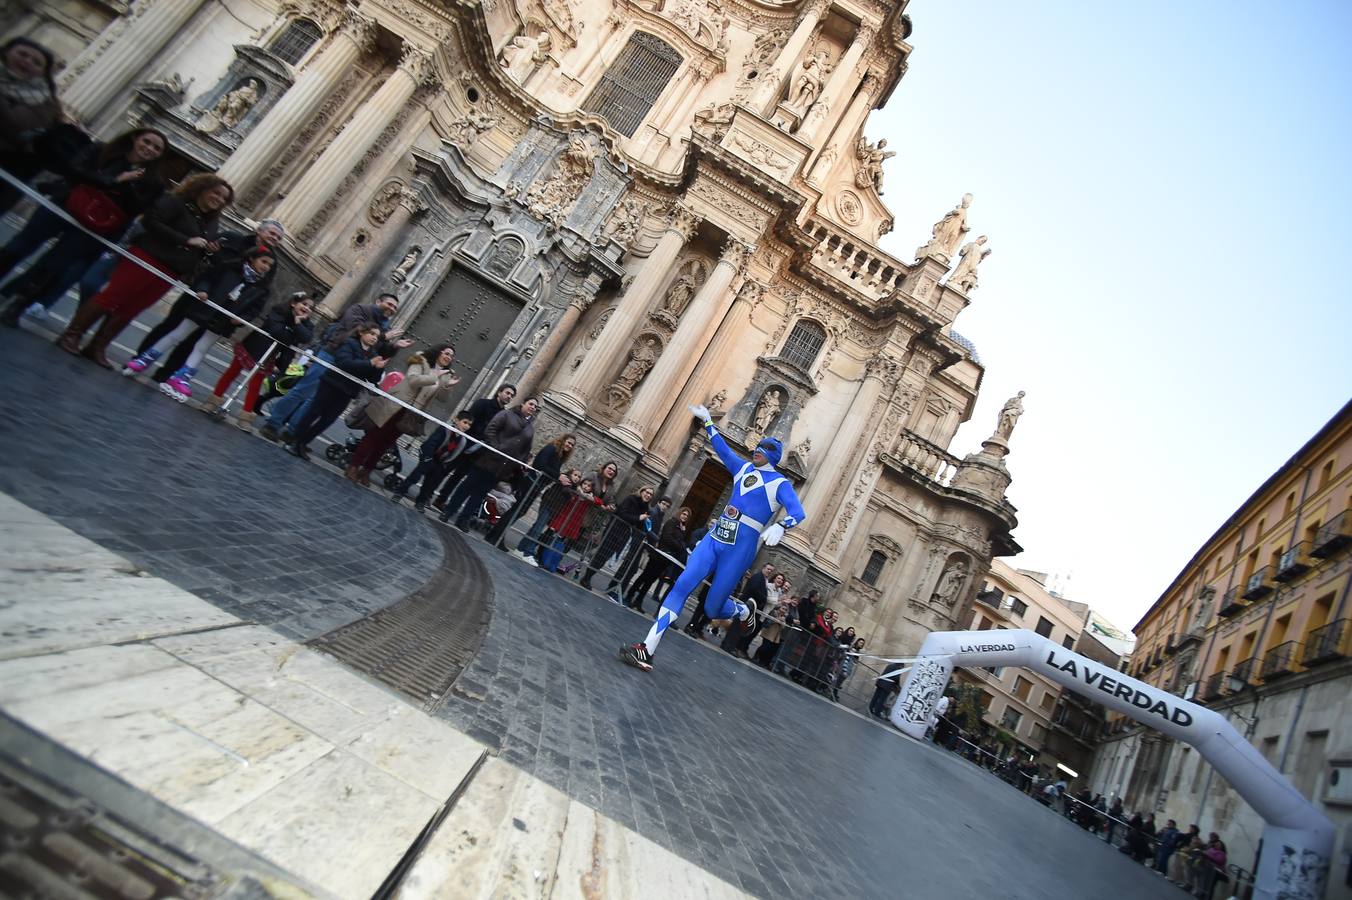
209 129
771 403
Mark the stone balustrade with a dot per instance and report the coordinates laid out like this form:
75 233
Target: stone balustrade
921 456
853 262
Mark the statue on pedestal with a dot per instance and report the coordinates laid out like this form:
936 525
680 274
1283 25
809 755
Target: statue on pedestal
406 264
964 276
523 54
805 85
950 584
948 231
766 411
871 157
642 357
1009 416
231 109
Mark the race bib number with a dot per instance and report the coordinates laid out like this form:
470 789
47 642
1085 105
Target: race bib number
725 529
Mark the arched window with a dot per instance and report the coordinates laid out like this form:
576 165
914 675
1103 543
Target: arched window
804 343
296 40
633 83
873 568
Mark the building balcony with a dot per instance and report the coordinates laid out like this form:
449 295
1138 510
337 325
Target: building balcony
996 603
1230 604
1281 660
1244 669
1258 586
1170 645
1333 536
1214 687
1328 643
1292 564
1191 636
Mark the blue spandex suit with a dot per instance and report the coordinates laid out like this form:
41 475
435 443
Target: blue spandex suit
725 553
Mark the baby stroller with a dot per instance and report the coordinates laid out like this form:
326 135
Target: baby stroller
391 462
497 503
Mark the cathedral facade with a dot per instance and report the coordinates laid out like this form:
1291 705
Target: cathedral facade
625 207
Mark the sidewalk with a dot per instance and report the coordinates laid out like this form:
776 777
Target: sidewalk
282 750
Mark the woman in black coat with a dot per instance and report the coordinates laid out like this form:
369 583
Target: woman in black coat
105 187
511 434
628 521
353 355
671 542
548 466
286 325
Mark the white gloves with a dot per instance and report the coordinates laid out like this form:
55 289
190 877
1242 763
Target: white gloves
701 412
772 534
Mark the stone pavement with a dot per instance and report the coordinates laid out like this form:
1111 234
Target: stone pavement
756 781
203 505
265 763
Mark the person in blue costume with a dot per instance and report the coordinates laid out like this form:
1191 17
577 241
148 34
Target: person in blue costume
759 494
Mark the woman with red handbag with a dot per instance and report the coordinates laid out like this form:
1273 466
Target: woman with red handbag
179 232
108 185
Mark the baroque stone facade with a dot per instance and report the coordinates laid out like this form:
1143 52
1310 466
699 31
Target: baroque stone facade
625 206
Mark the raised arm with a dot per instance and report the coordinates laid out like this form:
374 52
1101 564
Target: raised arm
730 459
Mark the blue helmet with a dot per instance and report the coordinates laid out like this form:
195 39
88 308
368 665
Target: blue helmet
772 448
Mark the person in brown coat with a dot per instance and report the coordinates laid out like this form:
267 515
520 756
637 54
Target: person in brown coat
511 434
427 377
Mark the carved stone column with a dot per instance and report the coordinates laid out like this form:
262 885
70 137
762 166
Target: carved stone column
408 205
592 376
676 429
824 488
88 98
847 127
673 367
765 98
842 80
324 176
300 103
559 336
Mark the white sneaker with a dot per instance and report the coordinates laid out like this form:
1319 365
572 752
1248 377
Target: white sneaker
529 560
37 312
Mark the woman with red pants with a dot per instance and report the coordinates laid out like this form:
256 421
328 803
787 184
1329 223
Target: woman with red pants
179 231
286 325
427 377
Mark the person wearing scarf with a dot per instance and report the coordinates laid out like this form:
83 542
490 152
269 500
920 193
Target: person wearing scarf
28 107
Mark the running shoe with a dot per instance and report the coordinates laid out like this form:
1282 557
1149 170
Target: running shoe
637 655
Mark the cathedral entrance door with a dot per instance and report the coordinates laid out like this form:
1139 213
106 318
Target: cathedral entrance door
473 316
711 484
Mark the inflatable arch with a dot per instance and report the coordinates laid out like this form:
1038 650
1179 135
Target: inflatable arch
1297 837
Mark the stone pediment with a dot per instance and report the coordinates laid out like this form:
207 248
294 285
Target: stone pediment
759 143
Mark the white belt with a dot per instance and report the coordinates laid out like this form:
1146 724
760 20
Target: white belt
748 521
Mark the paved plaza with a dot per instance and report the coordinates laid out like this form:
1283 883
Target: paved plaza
762 784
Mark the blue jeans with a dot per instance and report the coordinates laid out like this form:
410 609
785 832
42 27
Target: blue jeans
289 410
96 276
530 542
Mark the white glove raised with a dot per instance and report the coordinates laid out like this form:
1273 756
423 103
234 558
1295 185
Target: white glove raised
700 411
772 534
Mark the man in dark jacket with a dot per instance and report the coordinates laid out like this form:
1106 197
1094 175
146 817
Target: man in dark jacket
755 590
884 686
481 413
435 458
510 434
652 529
631 518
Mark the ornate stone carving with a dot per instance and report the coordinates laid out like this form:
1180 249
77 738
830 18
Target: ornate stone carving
420 17
563 16
759 61
717 402
1009 417
871 158
964 275
713 117
231 108
803 450
401 271
626 221
553 198
950 583
537 341
589 340
706 21
806 81
767 410
740 212
466 129
762 154
417 64
679 295
642 357
849 207
947 232
523 54
362 29
383 203
684 222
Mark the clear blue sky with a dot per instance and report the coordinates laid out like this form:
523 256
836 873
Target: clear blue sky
1166 192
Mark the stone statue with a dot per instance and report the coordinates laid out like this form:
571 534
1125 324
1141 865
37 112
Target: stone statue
803 450
1203 616
231 109
805 85
552 198
537 341
714 114
949 585
642 357
1009 416
948 231
871 157
766 411
679 296
466 129
523 54
964 276
717 402
624 224
406 264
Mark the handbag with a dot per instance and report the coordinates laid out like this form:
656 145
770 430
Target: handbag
358 419
95 210
409 422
